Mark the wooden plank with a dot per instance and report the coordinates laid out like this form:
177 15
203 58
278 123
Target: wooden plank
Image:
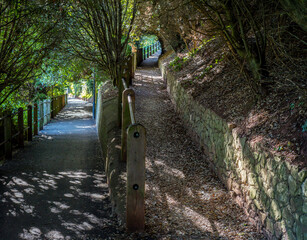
8 136
126 120
135 206
29 123
41 115
52 108
20 128
35 120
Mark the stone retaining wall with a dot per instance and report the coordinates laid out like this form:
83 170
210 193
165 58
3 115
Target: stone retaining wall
272 192
110 139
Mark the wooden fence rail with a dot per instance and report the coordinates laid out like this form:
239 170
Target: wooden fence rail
43 111
133 152
150 50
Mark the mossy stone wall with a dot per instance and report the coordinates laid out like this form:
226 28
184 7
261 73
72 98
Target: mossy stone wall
272 192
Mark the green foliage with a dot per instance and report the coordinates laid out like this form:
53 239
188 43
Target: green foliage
99 32
304 127
77 89
29 32
147 40
89 87
176 64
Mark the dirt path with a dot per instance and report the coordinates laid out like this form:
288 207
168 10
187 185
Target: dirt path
55 188
184 199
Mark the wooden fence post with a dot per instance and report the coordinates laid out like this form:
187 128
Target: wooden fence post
58 103
29 123
136 148
41 115
55 106
20 127
52 107
48 110
8 135
35 120
44 112
126 120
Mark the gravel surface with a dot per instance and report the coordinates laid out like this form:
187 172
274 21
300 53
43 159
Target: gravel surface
55 188
184 199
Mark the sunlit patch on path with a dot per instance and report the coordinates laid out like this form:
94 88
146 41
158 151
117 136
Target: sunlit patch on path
55 188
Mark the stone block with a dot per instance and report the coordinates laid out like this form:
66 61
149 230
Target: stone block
252 179
283 171
302 175
278 230
258 204
263 198
282 188
270 226
275 210
303 219
243 176
294 172
296 204
252 193
305 206
288 235
287 216
304 188
263 216
271 193
263 174
275 180
270 164
293 186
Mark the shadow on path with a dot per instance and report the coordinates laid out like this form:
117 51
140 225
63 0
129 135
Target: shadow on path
184 198
55 188
152 61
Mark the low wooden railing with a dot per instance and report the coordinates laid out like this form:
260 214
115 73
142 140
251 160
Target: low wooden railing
133 147
43 112
150 50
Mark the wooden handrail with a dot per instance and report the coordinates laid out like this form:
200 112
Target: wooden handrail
131 110
133 148
124 84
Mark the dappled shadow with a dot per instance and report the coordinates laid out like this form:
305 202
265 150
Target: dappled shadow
183 197
152 61
66 204
75 109
55 188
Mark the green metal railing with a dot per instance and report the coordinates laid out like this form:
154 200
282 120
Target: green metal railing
150 50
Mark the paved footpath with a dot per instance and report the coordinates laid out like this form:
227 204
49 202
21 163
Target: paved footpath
55 188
